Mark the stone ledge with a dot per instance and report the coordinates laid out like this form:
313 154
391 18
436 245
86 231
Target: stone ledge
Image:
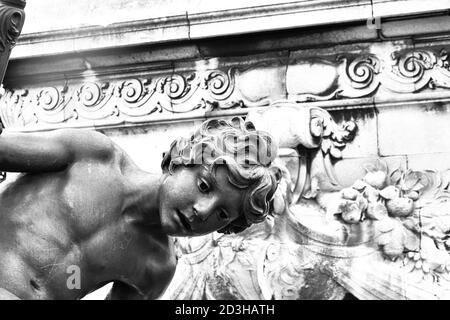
389 8
189 21
415 129
436 161
190 24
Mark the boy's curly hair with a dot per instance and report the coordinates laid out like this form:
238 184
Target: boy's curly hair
246 152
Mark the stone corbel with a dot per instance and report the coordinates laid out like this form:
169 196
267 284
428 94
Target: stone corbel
12 17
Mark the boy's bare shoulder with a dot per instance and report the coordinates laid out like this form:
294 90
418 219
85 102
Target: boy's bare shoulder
88 143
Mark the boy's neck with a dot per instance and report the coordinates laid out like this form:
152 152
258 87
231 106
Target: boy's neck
142 204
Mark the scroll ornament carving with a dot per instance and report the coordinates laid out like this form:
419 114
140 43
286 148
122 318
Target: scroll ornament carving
361 76
131 100
407 71
192 94
413 71
384 237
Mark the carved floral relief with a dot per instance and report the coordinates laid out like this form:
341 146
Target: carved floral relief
384 237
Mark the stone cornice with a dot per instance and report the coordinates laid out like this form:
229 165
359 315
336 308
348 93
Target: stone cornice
199 25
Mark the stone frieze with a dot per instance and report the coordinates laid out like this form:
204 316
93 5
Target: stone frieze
118 102
196 93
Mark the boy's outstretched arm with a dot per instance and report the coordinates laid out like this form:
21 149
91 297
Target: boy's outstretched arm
52 150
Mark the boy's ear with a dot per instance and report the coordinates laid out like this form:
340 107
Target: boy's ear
165 161
250 126
276 178
237 122
277 174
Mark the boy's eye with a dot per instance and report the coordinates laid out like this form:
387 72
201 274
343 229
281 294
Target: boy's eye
223 215
203 186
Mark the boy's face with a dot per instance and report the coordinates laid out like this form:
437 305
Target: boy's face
192 203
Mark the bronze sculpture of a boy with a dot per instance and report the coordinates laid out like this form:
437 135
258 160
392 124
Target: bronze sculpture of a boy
81 201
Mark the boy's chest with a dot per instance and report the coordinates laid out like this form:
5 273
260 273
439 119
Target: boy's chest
93 193
155 263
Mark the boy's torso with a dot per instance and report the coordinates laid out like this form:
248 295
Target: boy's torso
52 223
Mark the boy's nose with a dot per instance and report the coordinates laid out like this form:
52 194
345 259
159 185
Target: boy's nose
204 207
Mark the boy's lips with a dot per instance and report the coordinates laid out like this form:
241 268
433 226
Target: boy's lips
183 220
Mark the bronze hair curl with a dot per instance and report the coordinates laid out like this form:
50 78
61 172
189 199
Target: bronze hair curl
247 154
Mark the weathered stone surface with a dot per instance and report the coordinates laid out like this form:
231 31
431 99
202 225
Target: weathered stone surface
104 37
414 129
285 39
416 26
307 13
146 145
257 85
311 78
105 25
113 23
430 161
47 15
